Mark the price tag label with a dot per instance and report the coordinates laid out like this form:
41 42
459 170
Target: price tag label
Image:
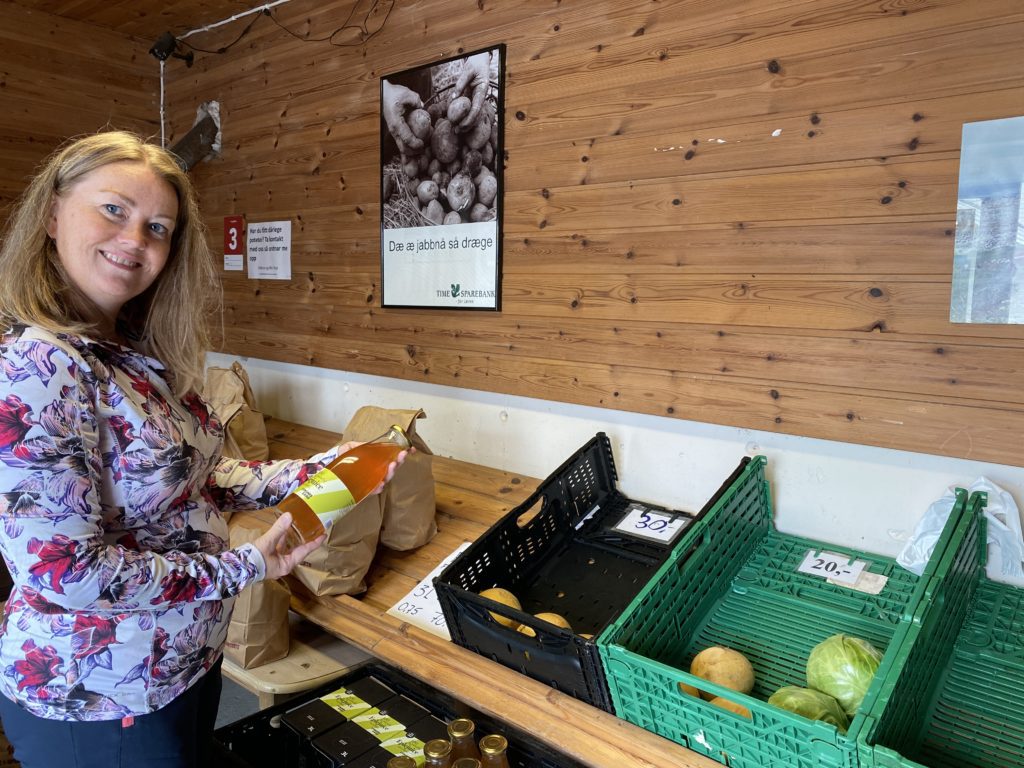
832 566
650 524
421 606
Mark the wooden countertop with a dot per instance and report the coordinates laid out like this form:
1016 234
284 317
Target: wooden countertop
470 498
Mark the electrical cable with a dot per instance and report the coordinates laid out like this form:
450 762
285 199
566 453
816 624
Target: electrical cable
366 35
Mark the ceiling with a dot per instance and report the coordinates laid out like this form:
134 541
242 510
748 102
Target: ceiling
146 19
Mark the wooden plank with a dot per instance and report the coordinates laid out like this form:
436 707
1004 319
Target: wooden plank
834 304
643 95
943 426
691 145
881 362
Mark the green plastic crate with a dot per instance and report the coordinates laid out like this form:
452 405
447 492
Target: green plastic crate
734 583
958 700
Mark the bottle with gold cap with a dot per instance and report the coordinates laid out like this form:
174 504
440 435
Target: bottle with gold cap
466 762
461 732
494 751
437 753
402 761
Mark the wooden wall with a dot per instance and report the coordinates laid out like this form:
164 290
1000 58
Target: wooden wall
739 212
61 78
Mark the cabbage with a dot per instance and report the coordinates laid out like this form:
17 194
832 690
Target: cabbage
812 704
843 667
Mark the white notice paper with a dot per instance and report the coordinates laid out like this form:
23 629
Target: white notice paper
421 606
270 250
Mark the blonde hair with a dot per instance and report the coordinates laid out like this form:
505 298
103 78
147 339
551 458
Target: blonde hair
170 319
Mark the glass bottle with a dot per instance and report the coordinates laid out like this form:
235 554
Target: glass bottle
351 477
466 762
401 761
438 753
460 731
494 751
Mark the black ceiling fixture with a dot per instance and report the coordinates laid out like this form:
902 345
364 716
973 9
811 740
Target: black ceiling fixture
166 46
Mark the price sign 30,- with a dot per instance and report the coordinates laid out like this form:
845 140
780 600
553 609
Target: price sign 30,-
830 565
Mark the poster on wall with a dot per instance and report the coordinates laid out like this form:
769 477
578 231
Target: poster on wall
441 138
988 252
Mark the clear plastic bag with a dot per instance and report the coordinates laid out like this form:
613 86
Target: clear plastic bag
1005 540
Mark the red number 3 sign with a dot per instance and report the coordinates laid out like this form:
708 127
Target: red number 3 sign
234 235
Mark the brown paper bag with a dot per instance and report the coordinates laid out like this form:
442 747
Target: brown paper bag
338 566
408 500
258 633
230 394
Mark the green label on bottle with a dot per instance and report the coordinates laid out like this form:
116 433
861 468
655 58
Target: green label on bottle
326 495
346 703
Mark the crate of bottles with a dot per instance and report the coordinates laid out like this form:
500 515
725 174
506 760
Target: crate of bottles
958 700
735 581
362 720
577 548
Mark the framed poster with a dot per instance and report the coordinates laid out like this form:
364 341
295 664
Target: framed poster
988 254
441 169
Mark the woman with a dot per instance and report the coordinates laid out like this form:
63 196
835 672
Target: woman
111 478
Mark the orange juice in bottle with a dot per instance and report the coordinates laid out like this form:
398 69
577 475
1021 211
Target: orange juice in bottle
326 496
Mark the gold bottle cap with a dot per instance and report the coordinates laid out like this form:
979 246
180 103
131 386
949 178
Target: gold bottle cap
401 761
466 762
460 727
437 748
493 744
397 435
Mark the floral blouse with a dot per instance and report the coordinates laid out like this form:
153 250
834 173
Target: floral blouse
111 493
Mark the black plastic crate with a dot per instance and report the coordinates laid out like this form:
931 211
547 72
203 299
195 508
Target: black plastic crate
557 552
263 739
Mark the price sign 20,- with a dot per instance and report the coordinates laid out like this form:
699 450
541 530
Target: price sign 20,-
830 565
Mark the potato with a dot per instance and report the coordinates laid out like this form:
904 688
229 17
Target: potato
487 189
460 192
411 166
550 618
732 706
478 212
420 123
497 594
434 212
487 154
480 133
472 161
444 142
725 667
453 217
434 167
436 111
441 178
458 109
688 689
388 187
427 191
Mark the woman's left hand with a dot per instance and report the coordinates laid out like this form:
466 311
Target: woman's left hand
280 561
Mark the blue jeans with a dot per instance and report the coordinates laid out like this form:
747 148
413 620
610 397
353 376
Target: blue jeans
179 735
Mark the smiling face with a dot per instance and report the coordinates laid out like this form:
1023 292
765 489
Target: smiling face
113 230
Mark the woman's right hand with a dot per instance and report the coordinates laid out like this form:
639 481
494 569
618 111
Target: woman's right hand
279 560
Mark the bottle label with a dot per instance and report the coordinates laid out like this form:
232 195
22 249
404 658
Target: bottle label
326 495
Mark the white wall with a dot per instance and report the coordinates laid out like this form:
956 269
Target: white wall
868 498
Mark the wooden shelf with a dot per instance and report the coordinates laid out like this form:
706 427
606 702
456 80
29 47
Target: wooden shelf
469 498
